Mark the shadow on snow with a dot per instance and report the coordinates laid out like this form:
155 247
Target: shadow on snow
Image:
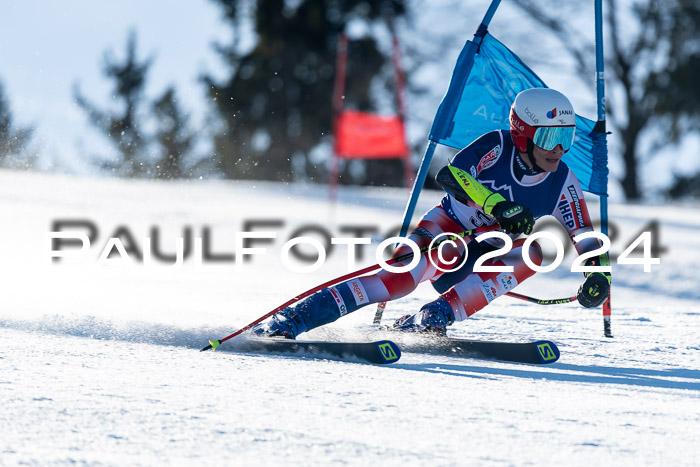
593 374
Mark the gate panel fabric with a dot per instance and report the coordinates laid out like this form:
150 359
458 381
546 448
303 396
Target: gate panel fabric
361 135
481 103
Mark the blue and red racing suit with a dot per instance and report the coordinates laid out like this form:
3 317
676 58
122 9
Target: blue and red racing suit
492 165
495 163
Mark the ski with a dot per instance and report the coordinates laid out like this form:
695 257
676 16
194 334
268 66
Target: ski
380 352
535 353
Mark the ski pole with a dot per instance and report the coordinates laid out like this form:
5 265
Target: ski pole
546 301
214 344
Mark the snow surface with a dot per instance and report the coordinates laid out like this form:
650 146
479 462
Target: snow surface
99 364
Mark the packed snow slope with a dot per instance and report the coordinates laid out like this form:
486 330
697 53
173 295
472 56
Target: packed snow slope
99 360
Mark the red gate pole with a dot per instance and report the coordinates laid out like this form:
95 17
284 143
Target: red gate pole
341 63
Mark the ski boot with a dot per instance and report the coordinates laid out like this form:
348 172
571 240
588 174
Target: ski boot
433 318
285 323
321 308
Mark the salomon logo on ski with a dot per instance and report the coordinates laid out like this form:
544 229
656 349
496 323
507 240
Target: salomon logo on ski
547 351
389 351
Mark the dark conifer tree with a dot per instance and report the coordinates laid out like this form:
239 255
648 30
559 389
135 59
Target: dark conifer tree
13 140
276 104
174 136
123 125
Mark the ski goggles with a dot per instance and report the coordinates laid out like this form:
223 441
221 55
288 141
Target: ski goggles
548 137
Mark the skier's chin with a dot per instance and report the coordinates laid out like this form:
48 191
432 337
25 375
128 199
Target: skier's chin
551 165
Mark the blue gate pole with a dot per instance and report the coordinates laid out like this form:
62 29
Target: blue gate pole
430 151
600 94
600 126
417 187
445 112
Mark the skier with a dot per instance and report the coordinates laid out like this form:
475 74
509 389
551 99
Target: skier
505 177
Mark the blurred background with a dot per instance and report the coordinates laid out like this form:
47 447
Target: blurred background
225 89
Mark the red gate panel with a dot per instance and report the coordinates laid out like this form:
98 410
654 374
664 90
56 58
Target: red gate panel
361 135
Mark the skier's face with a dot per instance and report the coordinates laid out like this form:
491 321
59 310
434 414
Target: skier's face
548 160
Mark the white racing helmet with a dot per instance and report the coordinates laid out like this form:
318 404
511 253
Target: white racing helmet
543 116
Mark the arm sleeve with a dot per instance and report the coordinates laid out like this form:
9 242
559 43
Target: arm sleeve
571 211
467 189
480 154
460 177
